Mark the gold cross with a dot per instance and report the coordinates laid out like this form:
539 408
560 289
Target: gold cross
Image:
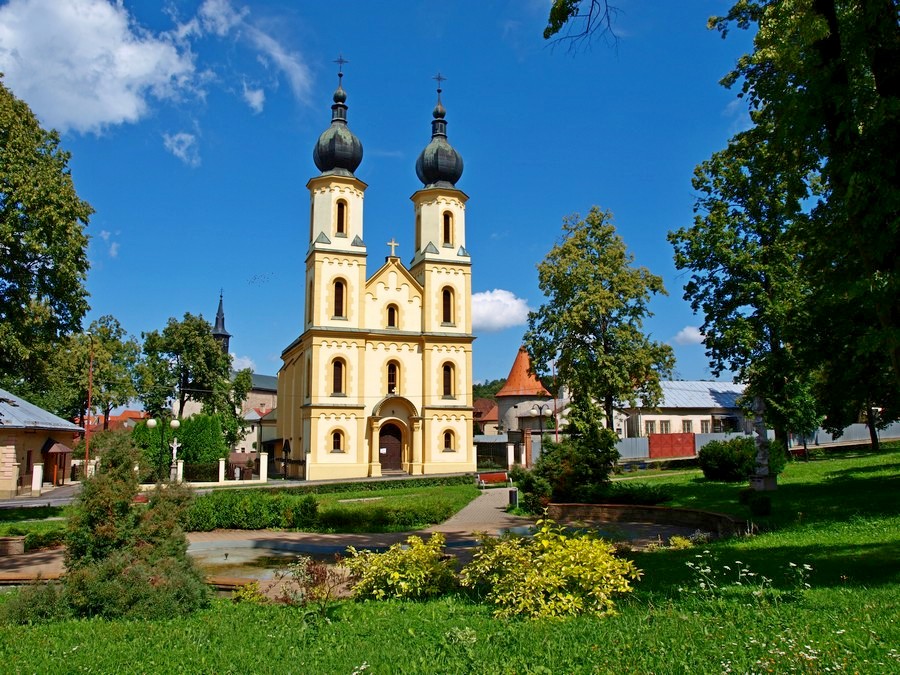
393 244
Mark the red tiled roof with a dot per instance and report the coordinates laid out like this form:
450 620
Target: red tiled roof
492 415
520 381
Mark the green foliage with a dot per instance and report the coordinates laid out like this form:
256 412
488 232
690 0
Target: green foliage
311 583
729 461
552 574
591 326
415 571
43 244
226 403
250 510
36 604
536 490
487 389
379 485
250 593
626 492
202 439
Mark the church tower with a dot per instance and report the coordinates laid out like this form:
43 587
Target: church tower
379 381
222 336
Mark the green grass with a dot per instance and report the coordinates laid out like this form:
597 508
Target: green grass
839 515
41 526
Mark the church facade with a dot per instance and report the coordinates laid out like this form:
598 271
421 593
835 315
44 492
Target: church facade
380 379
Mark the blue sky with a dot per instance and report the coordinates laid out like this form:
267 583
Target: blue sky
191 126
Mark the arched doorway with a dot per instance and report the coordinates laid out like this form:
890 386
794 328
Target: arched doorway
390 444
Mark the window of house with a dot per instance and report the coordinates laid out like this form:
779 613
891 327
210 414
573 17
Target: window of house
687 426
337 376
341 224
448 441
393 377
665 427
308 377
309 303
704 426
650 427
339 293
448 380
392 316
447 308
337 442
448 228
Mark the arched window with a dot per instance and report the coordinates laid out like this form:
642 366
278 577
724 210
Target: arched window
448 228
418 231
339 292
393 377
448 377
447 306
448 441
341 224
337 376
392 316
337 441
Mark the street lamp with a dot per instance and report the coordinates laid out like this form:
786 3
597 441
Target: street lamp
540 411
87 427
174 424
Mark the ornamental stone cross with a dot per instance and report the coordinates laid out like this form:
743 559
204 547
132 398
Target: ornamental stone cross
175 446
393 244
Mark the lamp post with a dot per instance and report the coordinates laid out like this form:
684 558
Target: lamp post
540 411
174 424
87 427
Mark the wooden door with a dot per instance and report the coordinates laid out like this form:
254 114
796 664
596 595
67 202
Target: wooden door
390 447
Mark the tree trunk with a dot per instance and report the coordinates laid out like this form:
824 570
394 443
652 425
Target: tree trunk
608 412
873 430
106 412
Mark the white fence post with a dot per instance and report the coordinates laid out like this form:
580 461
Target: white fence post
222 470
37 479
264 466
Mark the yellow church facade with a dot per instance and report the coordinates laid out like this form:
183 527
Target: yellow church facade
380 380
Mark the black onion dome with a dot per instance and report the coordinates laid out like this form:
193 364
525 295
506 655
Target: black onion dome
338 151
439 165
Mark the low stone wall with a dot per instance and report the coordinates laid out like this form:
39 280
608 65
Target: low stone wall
12 546
717 523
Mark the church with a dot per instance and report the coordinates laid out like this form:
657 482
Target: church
379 382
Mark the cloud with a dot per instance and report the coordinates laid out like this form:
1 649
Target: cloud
105 234
85 64
219 17
497 309
288 62
255 98
184 146
689 335
114 250
241 362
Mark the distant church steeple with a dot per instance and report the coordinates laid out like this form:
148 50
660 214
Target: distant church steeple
221 335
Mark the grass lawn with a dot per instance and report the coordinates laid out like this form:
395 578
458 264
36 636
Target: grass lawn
840 516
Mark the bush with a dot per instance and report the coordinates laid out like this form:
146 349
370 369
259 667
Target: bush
40 603
535 489
250 510
552 574
625 492
728 461
416 570
203 440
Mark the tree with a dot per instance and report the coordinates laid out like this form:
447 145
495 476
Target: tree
745 264
487 389
592 322
43 247
183 362
226 402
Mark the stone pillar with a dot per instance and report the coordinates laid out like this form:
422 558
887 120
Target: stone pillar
179 470
222 470
264 466
375 454
510 455
37 479
417 468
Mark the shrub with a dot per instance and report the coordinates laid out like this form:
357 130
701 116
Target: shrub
552 574
625 492
250 510
40 603
728 461
309 582
535 489
416 570
202 438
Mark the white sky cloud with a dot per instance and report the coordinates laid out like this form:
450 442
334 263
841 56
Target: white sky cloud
497 309
288 62
689 335
84 64
241 362
114 250
219 17
184 146
255 98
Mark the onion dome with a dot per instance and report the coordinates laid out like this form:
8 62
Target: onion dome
439 165
338 151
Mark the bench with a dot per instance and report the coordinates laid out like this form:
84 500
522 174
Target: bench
491 478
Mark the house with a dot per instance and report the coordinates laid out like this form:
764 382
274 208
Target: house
379 381
34 446
690 406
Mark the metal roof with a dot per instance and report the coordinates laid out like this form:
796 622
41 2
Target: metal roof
17 413
700 394
265 382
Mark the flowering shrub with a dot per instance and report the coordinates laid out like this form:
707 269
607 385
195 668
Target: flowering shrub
552 574
416 570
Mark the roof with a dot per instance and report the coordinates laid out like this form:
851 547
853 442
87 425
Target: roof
482 406
700 394
520 381
269 382
17 413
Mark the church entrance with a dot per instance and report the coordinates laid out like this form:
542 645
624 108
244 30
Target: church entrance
390 444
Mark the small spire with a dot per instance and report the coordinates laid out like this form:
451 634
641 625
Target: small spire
439 111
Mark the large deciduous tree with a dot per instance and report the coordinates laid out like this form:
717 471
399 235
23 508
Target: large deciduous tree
43 258
592 322
745 272
182 362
